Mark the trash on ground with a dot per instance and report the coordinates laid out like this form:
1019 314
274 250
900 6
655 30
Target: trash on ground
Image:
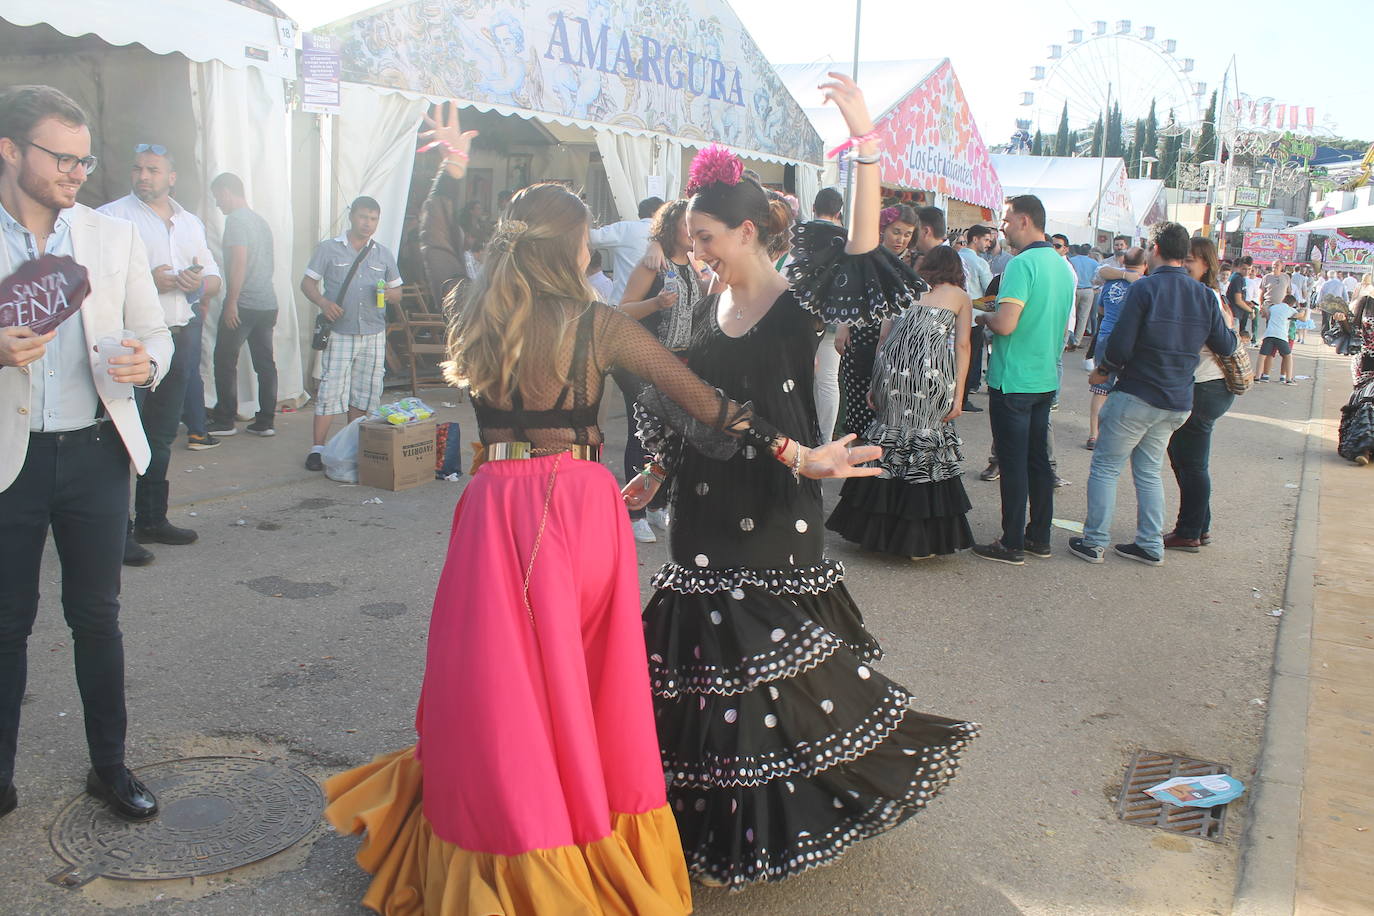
452 477
241 522
193 514
1290 486
1197 791
1258 702
1276 612
1301 378
1075 527
374 501
448 404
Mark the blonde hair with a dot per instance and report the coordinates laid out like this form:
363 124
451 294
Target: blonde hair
530 274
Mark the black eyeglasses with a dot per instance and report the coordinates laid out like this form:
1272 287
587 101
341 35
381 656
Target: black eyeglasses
157 149
1057 245
66 162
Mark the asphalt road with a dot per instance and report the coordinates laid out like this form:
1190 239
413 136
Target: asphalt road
295 630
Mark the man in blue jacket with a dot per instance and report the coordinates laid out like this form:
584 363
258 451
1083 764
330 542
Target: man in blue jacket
1153 349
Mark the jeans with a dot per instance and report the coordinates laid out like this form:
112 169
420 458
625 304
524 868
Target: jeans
255 326
78 484
1130 428
161 408
1021 433
193 407
1189 450
1082 308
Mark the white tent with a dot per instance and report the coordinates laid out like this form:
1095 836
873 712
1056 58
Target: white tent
1357 218
204 79
616 84
1079 194
1147 202
929 139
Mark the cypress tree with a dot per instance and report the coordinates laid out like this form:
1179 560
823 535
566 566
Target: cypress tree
1206 144
1038 144
1061 137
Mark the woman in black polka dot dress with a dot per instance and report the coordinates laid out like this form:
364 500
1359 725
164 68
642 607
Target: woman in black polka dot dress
781 745
895 227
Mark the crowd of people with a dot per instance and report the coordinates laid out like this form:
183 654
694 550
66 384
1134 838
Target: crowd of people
734 730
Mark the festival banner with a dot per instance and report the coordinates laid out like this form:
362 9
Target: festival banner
1341 253
1268 247
664 66
931 143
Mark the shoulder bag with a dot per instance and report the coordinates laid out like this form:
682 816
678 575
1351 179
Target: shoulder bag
323 325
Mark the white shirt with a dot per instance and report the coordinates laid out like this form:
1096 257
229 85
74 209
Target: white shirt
1252 289
1208 369
602 284
1299 284
626 241
1279 313
1333 288
178 246
1350 284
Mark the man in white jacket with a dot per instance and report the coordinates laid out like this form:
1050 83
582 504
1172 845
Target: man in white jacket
66 446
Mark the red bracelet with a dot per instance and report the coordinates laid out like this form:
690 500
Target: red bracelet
778 452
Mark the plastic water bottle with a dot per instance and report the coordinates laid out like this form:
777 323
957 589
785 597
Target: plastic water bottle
109 347
381 294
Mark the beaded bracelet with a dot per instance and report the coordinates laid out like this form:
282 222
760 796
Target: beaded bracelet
854 143
796 464
652 469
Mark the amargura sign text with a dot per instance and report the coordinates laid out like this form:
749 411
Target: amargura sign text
667 65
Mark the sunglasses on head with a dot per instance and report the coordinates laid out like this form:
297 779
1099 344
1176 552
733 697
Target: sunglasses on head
157 149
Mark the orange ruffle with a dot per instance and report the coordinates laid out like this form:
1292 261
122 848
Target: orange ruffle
638 870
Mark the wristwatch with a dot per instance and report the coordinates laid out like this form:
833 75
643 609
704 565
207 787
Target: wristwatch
152 374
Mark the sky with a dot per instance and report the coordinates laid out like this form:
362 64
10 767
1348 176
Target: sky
994 44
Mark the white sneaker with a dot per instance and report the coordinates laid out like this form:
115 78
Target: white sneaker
658 518
643 533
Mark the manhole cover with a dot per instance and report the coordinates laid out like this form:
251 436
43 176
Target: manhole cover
1150 768
217 813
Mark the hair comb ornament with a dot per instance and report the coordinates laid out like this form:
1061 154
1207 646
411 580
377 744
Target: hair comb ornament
508 233
714 164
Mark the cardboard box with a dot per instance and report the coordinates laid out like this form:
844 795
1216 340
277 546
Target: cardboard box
395 457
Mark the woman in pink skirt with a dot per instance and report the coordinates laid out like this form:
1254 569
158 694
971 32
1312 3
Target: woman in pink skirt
535 785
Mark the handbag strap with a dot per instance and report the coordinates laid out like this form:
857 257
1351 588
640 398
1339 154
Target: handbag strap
353 269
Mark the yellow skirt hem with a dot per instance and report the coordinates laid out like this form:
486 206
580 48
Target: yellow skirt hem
638 870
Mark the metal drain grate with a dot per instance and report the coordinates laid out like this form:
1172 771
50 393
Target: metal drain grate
1150 768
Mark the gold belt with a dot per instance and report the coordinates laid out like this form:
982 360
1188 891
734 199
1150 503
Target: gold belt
507 451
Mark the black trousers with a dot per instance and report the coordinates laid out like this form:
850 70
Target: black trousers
1021 435
161 410
78 484
255 326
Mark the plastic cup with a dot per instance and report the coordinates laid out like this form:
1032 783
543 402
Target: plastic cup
108 347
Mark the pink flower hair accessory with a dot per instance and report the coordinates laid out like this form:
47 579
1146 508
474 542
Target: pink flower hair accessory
714 164
887 217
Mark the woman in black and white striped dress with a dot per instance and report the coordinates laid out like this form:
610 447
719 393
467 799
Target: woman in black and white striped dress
918 507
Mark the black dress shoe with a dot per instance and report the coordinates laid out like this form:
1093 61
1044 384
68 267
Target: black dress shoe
135 554
126 796
970 407
9 799
164 532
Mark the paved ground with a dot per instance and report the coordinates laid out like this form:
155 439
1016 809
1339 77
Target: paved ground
296 627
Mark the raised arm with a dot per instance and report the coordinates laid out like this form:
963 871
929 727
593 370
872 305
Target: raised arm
863 217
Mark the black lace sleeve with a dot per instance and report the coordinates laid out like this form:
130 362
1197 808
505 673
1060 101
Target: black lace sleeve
844 288
680 401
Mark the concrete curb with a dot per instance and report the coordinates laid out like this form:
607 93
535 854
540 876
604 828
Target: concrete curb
1266 880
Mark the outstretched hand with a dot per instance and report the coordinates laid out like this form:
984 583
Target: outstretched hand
849 99
445 129
838 459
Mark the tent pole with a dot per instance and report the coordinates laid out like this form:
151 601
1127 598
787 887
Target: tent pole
326 189
849 173
1102 164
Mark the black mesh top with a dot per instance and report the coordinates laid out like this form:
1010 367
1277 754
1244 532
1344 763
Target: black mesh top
562 378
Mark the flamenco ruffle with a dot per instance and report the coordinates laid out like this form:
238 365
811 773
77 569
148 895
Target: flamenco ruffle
917 455
793 761
744 834
637 869
848 288
781 623
903 519
1356 434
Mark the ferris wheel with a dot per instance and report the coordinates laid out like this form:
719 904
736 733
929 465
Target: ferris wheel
1133 62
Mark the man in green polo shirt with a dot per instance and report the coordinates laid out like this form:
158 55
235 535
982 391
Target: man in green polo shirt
1033 308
